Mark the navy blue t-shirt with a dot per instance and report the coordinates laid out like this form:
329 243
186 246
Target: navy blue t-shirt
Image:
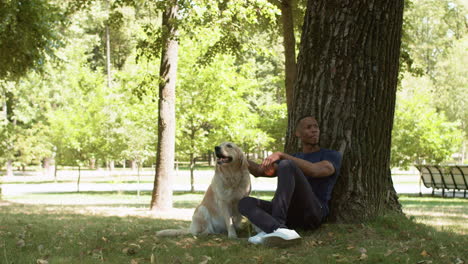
323 186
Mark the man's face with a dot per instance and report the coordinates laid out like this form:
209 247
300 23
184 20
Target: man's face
308 131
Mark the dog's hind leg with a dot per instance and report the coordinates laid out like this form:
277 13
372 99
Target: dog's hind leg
199 223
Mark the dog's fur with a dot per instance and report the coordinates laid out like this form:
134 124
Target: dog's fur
218 211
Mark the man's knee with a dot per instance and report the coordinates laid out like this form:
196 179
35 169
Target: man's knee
245 204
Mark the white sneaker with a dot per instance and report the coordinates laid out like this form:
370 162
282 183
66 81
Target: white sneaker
281 237
257 239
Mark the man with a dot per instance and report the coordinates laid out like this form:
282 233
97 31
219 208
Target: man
305 184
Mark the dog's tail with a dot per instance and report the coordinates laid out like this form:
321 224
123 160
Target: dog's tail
172 232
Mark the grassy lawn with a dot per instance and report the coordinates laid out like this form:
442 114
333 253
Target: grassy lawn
118 228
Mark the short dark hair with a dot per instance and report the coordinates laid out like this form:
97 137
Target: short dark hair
301 118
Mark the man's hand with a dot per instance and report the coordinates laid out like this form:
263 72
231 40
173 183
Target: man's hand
268 164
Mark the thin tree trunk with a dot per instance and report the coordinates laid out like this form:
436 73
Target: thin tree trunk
108 52
192 168
139 179
79 178
162 191
55 171
8 114
9 168
289 43
347 78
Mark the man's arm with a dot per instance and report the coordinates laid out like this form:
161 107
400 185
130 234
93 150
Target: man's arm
258 171
319 169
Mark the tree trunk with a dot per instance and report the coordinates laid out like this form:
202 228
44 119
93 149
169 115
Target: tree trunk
55 171
134 165
108 52
79 178
289 43
347 79
9 168
92 164
192 168
162 192
8 114
210 159
111 165
48 167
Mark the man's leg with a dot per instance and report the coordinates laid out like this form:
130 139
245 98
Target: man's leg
258 212
295 204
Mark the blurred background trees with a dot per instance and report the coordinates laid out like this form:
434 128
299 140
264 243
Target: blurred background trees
57 105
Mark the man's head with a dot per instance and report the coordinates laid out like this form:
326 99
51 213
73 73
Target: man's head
307 130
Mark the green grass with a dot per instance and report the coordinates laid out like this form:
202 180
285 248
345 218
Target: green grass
118 228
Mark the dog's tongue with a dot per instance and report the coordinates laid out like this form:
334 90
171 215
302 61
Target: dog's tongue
222 160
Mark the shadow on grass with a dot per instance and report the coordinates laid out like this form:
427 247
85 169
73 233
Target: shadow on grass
32 232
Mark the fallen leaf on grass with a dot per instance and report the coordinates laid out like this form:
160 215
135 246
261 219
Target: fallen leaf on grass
425 254
459 261
343 260
20 243
188 257
259 259
389 252
205 260
363 256
129 251
42 261
312 243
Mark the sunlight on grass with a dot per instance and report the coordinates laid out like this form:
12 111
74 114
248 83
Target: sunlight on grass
447 214
116 227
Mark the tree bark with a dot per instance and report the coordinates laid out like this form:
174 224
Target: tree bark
108 51
347 78
134 165
192 168
162 192
289 43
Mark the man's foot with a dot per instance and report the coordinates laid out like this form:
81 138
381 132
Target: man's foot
282 237
257 239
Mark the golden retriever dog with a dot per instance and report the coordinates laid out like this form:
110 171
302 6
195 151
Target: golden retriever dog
218 212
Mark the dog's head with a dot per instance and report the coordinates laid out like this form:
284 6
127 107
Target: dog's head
229 153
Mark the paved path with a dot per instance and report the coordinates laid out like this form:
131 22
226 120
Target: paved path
21 184
16 189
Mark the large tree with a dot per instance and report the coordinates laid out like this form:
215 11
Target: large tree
162 192
347 78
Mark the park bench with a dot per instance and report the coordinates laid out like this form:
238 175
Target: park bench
445 177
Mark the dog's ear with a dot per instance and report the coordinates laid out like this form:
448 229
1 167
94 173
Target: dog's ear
244 162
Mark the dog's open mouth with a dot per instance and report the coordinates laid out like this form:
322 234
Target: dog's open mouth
223 159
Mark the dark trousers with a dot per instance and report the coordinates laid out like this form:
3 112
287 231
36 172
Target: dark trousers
294 205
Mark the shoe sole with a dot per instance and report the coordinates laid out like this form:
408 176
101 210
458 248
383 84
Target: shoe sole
281 243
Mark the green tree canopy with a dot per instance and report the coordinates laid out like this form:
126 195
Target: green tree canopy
28 32
421 133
